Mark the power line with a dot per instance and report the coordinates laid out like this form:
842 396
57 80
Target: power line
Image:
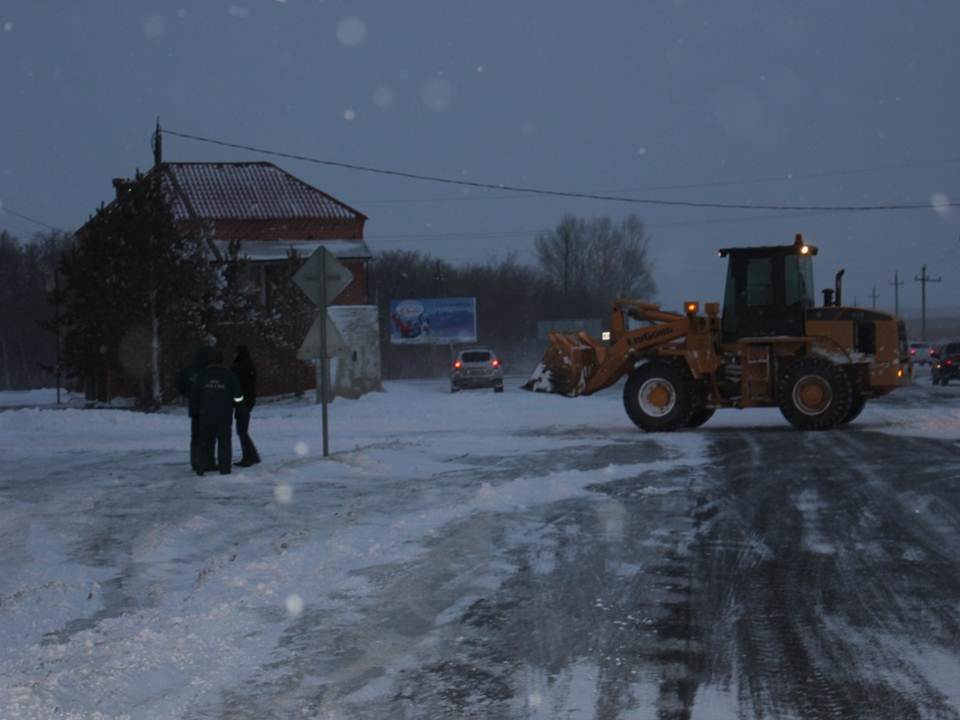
27 217
560 193
788 177
14 229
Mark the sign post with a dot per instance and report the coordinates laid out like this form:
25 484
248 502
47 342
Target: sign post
322 277
324 360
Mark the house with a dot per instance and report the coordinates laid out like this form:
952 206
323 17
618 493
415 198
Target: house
268 212
265 212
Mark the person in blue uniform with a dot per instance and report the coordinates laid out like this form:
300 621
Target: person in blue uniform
216 393
186 379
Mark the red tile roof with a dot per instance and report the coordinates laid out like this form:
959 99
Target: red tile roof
247 191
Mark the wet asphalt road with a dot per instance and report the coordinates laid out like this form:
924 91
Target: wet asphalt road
793 575
783 575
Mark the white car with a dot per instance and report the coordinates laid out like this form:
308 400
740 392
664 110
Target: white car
476 368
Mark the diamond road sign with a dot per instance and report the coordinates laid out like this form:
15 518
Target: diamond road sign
310 277
310 348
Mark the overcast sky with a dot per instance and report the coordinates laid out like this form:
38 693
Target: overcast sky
737 101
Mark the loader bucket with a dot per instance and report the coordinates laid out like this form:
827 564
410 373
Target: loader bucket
567 364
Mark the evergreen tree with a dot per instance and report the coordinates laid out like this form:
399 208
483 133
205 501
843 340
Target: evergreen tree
134 281
286 319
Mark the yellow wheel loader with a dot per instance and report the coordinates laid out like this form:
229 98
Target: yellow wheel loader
771 347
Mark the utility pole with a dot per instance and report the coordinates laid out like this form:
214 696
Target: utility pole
897 282
923 280
56 320
873 297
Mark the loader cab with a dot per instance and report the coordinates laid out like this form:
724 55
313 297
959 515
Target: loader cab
768 290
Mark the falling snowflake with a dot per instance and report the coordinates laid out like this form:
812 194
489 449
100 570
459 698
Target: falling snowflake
301 448
479 68
154 26
7 26
283 493
383 96
349 115
351 31
294 605
238 12
436 93
940 202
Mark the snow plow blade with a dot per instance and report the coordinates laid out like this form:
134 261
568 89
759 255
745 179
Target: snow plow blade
566 367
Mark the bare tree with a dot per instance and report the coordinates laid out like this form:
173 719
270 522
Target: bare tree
593 261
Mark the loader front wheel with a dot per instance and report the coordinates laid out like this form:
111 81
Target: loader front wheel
814 394
658 397
857 403
701 413
700 416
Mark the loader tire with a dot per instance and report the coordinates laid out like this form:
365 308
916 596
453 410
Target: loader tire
814 394
659 396
856 407
700 416
701 413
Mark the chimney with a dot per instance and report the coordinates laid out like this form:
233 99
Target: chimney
120 186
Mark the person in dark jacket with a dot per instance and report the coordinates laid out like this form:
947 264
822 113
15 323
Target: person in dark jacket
216 393
246 373
186 379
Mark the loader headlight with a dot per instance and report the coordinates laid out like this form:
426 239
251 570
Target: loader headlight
804 249
691 307
605 336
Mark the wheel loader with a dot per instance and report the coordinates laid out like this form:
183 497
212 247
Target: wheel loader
772 346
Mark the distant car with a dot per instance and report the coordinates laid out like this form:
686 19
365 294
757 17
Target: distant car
476 368
920 353
946 363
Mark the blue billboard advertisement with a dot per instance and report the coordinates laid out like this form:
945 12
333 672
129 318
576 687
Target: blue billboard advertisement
433 321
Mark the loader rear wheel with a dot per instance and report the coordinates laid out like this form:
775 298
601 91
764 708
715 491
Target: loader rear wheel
814 394
658 396
857 403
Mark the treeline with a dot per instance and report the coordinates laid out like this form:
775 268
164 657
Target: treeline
28 281
583 264
133 292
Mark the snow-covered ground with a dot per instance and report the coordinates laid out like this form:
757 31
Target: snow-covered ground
35 398
130 588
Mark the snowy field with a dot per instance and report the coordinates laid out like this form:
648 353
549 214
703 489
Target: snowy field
36 398
130 588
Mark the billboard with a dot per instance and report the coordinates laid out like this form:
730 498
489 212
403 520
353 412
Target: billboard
433 321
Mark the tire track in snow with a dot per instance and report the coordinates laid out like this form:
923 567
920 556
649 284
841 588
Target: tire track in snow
809 611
